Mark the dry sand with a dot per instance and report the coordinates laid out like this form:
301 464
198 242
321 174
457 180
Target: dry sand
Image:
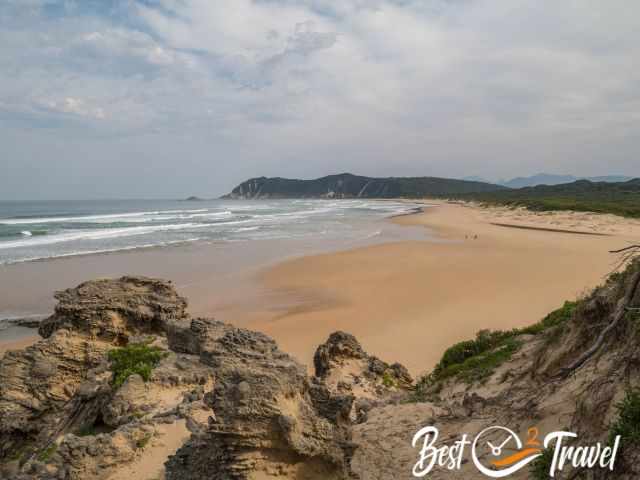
409 301
17 344
150 463
405 301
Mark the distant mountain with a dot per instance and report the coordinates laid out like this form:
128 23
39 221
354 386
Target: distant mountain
552 179
609 179
476 178
346 185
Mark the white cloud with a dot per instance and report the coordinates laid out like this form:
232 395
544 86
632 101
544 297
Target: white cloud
446 87
75 106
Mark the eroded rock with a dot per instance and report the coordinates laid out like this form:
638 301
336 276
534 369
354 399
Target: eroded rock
252 408
271 420
113 310
346 369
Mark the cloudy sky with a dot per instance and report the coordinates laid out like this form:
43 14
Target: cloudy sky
166 98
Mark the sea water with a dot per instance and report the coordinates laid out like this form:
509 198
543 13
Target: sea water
227 235
44 230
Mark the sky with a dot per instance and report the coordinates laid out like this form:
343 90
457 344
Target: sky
169 98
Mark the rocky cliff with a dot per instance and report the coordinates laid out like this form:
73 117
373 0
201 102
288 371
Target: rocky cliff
219 402
353 186
244 407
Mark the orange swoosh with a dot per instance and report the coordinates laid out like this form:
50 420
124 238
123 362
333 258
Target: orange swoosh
511 459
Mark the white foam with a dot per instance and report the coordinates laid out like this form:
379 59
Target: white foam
98 234
91 218
224 223
99 251
211 214
245 229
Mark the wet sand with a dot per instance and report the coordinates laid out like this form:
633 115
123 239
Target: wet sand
406 301
218 279
409 301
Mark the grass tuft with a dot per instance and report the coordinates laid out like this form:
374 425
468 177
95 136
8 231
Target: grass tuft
144 441
387 380
137 358
627 425
555 318
475 360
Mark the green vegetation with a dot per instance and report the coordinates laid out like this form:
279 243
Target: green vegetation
48 452
477 359
387 380
541 466
140 444
459 353
140 358
354 186
621 198
555 318
627 424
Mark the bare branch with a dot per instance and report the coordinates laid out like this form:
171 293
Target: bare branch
631 247
619 314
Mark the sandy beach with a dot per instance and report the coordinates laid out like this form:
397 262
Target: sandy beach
409 301
406 301
17 344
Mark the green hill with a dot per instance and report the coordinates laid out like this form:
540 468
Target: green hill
622 198
346 185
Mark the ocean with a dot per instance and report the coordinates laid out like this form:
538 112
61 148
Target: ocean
47 246
33 230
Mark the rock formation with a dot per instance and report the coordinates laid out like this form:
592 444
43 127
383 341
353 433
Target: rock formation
226 403
251 409
114 310
61 385
270 418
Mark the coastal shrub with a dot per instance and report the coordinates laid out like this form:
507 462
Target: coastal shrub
481 365
616 198
476 359
540 467
488 340
555 318
458 353
387 380
627 425
137 358
470 361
